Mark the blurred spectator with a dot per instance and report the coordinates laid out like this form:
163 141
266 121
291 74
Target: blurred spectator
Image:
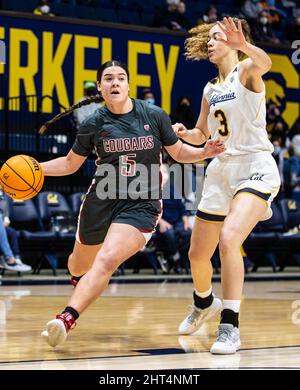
210 15
291 171
276 125
183 113
293 30
277 143
167 16
148 96
12 260
43 9
294 130
250 10
83 112
275 13
183 22
262 30
287 3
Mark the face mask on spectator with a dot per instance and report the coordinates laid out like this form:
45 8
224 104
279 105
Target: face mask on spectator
263 20
45 9
277 150
150 100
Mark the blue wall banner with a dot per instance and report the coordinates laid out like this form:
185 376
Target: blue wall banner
55 56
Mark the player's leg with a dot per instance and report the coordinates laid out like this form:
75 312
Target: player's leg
114 251
93 224
81 260
245 212
204 240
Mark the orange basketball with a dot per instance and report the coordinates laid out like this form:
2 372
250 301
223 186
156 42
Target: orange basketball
21 177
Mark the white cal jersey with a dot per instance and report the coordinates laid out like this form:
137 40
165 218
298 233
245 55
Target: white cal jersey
237 116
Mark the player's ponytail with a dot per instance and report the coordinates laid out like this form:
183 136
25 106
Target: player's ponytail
85 102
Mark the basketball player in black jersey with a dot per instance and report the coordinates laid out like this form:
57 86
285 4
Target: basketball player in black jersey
127 136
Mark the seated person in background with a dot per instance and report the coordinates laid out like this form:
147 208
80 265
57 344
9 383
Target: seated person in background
262 30
183 113
148 96
12 260
43 9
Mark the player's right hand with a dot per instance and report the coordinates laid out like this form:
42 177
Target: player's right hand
180 130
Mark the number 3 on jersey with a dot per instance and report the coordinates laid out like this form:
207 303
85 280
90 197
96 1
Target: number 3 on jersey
128 165
224 129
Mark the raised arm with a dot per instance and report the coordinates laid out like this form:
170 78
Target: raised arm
200 133
63 166
252 68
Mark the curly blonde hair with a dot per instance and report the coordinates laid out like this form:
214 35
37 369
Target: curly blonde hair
196 45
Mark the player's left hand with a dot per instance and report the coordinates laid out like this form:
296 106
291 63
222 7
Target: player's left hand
213 147
235 37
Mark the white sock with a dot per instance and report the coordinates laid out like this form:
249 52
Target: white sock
204 294
232 304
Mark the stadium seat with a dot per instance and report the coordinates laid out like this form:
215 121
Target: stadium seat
50 204
34 239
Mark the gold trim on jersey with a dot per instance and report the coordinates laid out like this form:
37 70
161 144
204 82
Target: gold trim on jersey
260 105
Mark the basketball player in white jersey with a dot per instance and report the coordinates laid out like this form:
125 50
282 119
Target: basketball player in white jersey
239 184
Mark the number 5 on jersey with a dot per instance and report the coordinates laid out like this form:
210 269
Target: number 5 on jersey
128 165
224 129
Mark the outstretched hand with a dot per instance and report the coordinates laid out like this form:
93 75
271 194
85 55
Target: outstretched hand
213 147
235 37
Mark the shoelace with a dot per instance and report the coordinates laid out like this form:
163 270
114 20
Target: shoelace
194 315
68 320
224 334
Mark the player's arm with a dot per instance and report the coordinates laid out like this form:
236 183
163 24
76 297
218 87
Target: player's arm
258 63
184 153
63 166
252 68
200 133
83 145
181 152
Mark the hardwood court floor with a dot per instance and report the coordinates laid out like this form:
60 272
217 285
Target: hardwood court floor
134 326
